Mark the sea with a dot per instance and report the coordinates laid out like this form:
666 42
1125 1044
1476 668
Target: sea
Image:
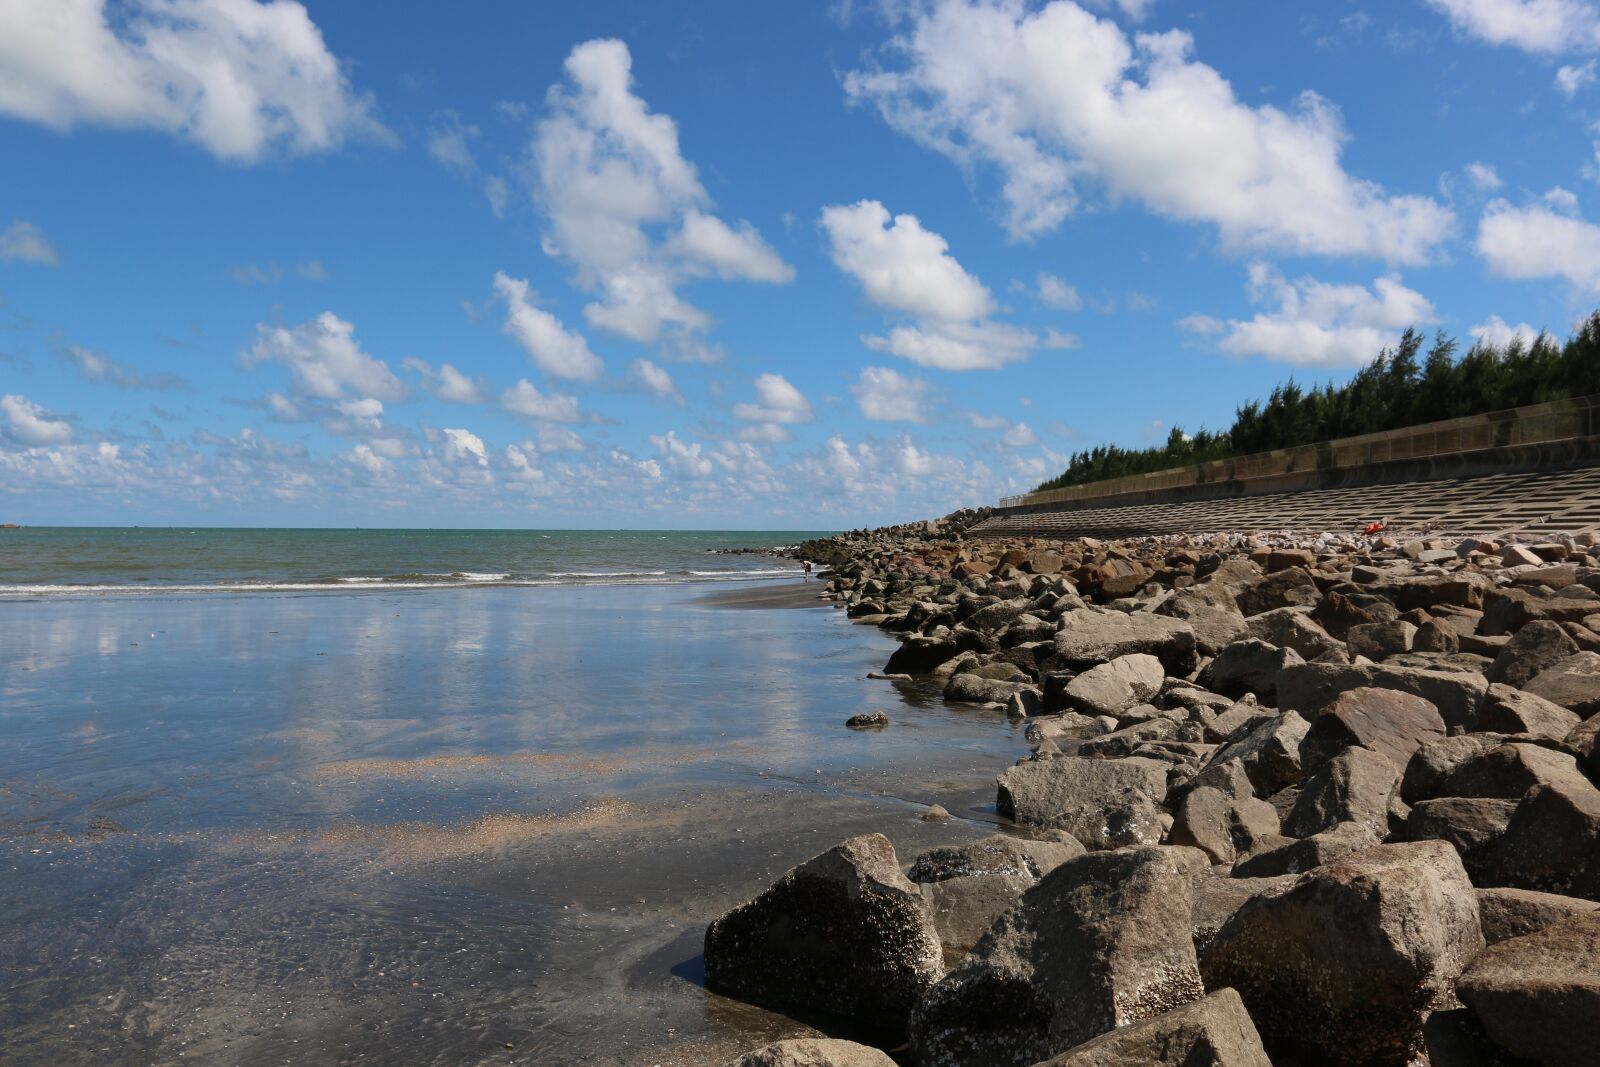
430 797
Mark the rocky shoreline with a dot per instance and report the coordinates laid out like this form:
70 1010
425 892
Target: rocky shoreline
1292 801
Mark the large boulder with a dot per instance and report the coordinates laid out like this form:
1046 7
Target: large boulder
1355 786
1102 803
1471 824
1574 683
973 688
1389 722
1539 995
1218 898
1269 752
964 908
920 655
1102 941
1435 761
1287 588
1508 913
1552 843
1088 637
1509 771
844 934
1513 711
1114 687
1310 687
1539 645
1214 1031
995 854
1344 967
814 1052
1248 666
1211 614
1223 827
1291 856
1293 628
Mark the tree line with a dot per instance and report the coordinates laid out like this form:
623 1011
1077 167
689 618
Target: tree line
1401 387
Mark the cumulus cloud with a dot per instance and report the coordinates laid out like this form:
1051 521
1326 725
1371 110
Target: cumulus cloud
655 380
777 403
1570 79
684 457
612 181
1538 26
1497 334
1020 436
98 367
1318 324
365 459
450 142
1483 177
886 395
31 424
1055 293
526 400
556 349
1059 101
239 78
23 241
325 359
1540 241
448 384
464 446
957 345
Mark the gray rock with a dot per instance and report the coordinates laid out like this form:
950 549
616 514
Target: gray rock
1269 753
814 1052
1088 637
1286 588
843 934
1539 995
1293 628
1310 687
1354 786
1216 899
1248 666
996 854
1508 913
1552 843
1379 640
1103 803
1512 711
1114 687
973 688
1387 721
1344 967
920 655
1129 739
1574 683
1214 1031
1308 853
1221 826
867 721
1539 645
1102 941
963 908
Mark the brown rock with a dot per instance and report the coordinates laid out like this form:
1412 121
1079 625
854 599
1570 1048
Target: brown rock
814 1052
1539 995
1214 1031
1508 913
1574 683
1389 722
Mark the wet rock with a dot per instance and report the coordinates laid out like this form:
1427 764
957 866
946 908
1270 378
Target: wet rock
920 655
1345 966
1114 687
935 813
1102 941
1221 826
1552 843
1214 1031
1248 666
1310 687
1508 913
867 721
973 688
1389 722
1102 803
996 854
964 908
1539 995
1089 637
1536 647
1574 683
1512 711
844 934
1354 786
814 1052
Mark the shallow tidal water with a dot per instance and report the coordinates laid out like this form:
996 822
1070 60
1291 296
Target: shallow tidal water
452 826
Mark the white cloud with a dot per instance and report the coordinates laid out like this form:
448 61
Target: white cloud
325 359
364 415
1540 26
900 265
449 384
656 380
606 168
1055 293
685 458
1020 436
498 193
1318 324
464 446
957 345
1056 99
1055 339
365 459
1497 334
1537 242
25 242
237 77
450 142
765 433
1202 324
1570 79
556 349
525 400
1483 177
886 395
31 424
98 367
777 401
553 438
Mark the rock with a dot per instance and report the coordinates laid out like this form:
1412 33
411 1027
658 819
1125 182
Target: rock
1248 666
1114 687
1286 588
1389 722
1354 786
964 908
1552 843
1221 826
1435 761
1310 687
1296 857
1230 723
996 854
1214 1031
1574 683
1536 647
1455 1038
1269 753
1379 640
1125 741
844 934
1211 614
1539 995
1336 613
1345 966
1471 824
1508 913
867 721
814 1052
1511 711
1292 628
1435 636
1519 556
920 655
1584 740
1103 803
1101 942
1216 899
1509 771
973 688
935 813
1089 637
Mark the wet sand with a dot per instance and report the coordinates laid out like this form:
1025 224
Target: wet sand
246 862
792 593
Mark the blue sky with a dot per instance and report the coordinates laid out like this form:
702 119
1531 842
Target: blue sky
735 265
